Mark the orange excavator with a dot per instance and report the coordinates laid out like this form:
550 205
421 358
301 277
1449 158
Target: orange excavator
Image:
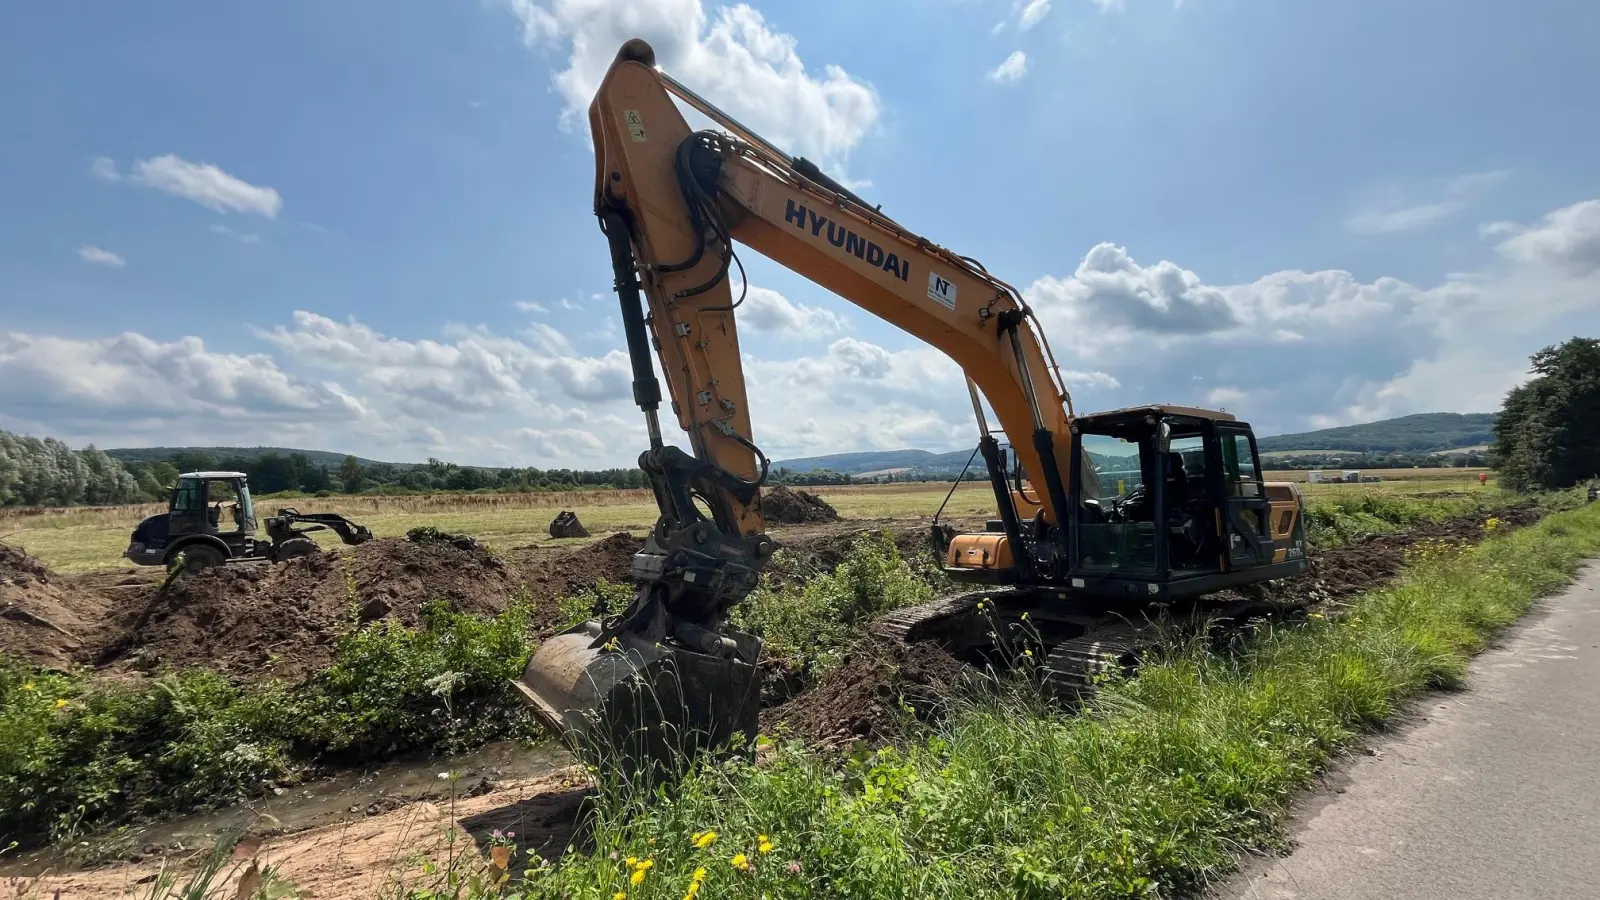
1100 519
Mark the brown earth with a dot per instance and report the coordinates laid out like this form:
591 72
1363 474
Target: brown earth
42 621
787 506
257 621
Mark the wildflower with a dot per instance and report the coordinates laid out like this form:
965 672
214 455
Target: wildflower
1024 617
763 844
704 839
613 855
793 868
27 686
444 776
497 834
694 883
61 702
511 834
1028 653
619 896
740 862
637 878
630 862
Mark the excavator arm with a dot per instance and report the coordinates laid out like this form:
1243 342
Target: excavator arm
673 202
686 198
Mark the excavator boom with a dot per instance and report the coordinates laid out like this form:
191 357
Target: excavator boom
668 677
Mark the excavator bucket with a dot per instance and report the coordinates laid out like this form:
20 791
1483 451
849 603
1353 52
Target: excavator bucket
630 704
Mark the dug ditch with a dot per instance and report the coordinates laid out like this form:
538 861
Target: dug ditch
259 622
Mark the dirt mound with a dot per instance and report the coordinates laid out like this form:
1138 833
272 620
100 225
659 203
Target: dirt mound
786 506
548 576
825 551
260 621
42 622
861 699
1344 572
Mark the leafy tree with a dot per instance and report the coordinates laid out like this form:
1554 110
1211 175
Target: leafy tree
351 475
1548 435
270 473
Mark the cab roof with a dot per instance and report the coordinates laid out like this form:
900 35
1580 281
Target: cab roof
1163 409
206 476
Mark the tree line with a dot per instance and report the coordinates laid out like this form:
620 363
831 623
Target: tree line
46 472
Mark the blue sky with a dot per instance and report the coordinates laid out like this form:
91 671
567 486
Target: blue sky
366 226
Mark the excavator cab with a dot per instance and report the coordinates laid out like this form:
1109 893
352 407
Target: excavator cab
1171 503
1168 503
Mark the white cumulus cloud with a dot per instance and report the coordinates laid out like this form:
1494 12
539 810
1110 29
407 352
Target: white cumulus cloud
767 310
98 257
1033 12
1011 69
202 183
730 56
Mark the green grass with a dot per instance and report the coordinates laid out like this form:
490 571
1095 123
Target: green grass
809 620
1154 791
1334 520
76 753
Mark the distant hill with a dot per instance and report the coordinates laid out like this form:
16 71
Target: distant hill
1421 433
324 458
878 461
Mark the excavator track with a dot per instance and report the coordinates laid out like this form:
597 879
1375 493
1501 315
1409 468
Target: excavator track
1107 645
941 620
1076 666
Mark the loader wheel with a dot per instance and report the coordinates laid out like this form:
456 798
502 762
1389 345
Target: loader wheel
200 557
294 548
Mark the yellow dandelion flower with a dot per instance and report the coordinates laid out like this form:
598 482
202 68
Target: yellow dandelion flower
27 686
763 844
637 878
705 839
631 861
61 702
619 896
740 862
699 875
693 891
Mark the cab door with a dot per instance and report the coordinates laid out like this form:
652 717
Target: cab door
1246 511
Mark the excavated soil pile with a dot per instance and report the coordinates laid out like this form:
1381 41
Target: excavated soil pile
608 559
861 700
259 621
787 506
42 622
1343 572
826 551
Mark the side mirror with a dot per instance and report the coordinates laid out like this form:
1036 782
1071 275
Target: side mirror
1164 437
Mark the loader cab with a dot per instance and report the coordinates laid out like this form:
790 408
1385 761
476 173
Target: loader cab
1170 502
210 508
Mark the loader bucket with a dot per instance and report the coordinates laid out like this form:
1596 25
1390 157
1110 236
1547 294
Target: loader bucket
641 706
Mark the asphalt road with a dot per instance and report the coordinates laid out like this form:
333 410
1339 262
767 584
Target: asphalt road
1495 794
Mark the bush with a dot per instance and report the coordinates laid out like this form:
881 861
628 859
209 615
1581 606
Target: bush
810 626
75 753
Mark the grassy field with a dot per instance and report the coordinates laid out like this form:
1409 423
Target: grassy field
93 539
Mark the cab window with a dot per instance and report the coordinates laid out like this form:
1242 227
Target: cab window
1239 466
189 497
